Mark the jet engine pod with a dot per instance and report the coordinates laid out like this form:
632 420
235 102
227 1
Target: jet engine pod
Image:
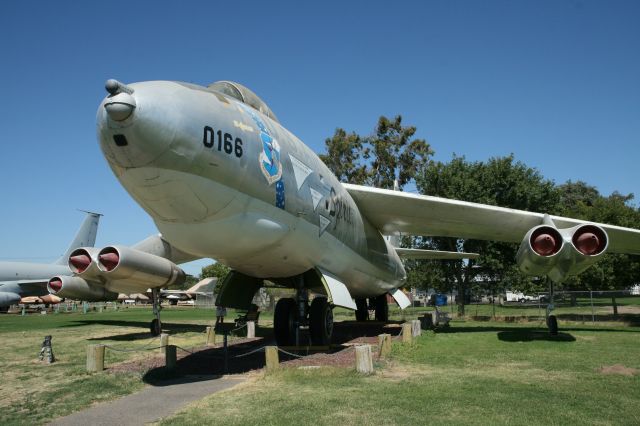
79 288
539 250
588 243
118 263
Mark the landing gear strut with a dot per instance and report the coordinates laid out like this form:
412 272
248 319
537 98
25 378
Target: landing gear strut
552 321
293 313
382 308
155 326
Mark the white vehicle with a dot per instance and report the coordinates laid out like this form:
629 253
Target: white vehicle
521 297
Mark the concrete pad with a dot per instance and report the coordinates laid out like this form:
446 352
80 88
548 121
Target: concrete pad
150 404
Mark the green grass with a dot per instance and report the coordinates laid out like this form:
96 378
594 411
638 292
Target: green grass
487 373
33 392
472 373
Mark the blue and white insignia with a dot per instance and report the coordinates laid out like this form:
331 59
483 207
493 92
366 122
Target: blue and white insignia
269 158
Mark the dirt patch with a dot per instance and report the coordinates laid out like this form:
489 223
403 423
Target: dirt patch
618 369
247 355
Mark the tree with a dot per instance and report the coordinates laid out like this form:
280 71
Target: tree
217 270
389 154
500 181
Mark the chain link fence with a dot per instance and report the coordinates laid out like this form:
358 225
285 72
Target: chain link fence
580 306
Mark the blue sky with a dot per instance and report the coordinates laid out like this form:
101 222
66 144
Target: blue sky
553 82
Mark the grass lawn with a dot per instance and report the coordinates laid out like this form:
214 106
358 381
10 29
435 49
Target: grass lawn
33 392
472 373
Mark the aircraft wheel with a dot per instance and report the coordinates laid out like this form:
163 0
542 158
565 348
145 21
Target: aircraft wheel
284 322
320 321
362 311
382 308
155 327
552 323
173 302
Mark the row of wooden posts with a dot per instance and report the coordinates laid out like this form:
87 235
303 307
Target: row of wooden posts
363 360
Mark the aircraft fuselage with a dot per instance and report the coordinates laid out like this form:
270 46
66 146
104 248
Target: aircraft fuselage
222 180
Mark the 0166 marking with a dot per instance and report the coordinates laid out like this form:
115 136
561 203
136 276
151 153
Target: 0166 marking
226 141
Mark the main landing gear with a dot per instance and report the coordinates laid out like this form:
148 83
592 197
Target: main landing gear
293 313
155 326
379 304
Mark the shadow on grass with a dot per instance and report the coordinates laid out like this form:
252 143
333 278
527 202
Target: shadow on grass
169 327
528 335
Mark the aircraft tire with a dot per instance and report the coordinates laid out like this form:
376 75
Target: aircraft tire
4 309
362 311
552 323
382 308
155 328
284 322
320 321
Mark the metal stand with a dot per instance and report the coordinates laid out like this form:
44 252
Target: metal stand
46 352
156 324
302 301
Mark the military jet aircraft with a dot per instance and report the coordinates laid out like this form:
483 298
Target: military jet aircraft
21 279
222 178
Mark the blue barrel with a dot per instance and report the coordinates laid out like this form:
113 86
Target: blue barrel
441 300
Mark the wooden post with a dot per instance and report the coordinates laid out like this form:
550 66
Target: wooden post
251 329
211 336
164 342
364 362
416 329
384 345
95 358
271 358
407 336
170 358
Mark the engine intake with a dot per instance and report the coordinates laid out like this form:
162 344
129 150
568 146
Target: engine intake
79 288
539 249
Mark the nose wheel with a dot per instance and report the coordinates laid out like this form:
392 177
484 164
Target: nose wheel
320 321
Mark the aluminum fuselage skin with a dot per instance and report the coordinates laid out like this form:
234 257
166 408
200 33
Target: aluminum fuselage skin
221 180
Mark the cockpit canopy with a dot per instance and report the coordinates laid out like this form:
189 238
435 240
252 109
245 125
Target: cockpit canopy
244 95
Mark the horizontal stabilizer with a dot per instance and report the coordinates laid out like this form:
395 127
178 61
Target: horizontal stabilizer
406 253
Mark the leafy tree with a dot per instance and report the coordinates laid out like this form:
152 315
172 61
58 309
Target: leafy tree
500 181
389 154
215 270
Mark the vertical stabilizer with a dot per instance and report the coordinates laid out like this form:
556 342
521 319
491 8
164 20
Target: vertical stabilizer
85 237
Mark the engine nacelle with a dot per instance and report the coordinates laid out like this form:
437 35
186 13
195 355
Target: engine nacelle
560 253
538 252
79 288
118 263
83 262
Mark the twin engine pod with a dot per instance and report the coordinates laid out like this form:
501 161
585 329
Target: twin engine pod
559 253
114 269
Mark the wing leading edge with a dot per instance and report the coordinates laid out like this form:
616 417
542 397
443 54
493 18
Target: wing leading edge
395 212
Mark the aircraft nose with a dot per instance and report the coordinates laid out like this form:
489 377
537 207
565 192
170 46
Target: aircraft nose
120 104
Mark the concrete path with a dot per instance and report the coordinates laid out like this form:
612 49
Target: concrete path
150 404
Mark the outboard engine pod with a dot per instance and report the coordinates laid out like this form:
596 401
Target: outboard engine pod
539 250
590 240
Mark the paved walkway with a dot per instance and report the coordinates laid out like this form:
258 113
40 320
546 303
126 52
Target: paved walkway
150 404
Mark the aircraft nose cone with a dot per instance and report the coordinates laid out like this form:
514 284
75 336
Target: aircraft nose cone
121 103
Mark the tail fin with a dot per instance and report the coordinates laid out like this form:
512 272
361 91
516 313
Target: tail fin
85 237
